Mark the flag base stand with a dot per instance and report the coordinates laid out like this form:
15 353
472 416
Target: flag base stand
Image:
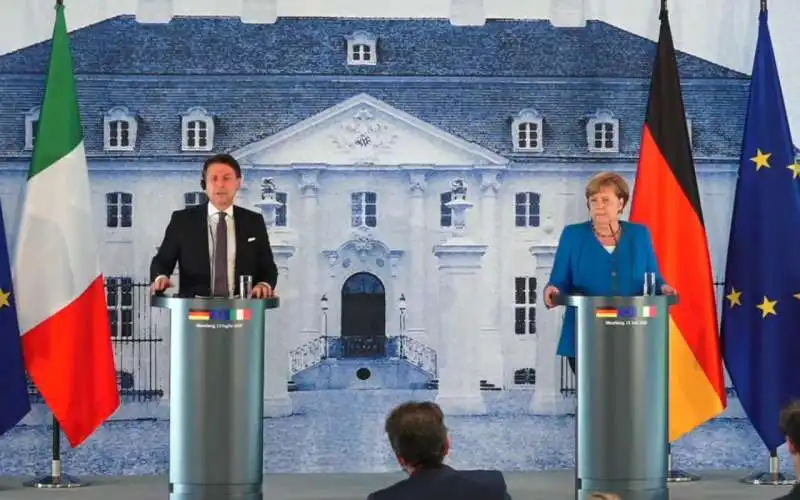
56 479
677 475
769 479
773 477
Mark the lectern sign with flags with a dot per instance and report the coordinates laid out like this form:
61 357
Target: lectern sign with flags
761 311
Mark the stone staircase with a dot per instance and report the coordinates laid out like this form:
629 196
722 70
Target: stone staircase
356 373
433 385
376 362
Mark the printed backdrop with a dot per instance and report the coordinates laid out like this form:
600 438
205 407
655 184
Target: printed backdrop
356 126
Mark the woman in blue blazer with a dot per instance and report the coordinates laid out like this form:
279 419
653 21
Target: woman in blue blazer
602 256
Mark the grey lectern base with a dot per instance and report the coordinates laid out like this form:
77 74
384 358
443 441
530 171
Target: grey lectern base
216 397
623 395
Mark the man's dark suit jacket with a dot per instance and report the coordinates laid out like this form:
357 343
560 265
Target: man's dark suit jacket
794 494
186 243
446 483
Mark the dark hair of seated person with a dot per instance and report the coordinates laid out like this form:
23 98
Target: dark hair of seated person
417 434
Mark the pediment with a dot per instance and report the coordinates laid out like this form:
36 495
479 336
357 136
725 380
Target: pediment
365 130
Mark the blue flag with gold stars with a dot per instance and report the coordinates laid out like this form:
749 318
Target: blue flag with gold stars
14 402
761 311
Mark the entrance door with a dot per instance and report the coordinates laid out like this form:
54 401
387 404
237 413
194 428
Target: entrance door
363 316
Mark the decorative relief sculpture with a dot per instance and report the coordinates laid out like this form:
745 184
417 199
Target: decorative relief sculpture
364 136
268 189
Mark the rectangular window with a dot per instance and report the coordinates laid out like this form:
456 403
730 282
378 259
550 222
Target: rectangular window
194 198
119 209
281 211
526 209
364 209
119 298
525 305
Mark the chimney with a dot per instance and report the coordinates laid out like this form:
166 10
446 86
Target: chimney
467 13
154 11
259 11
568 13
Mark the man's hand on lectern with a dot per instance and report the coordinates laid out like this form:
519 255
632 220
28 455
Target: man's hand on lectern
262 291
160 284
549 293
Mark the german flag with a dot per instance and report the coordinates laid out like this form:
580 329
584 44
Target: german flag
666 199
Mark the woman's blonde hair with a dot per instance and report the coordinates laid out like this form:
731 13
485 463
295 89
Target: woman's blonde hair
608 179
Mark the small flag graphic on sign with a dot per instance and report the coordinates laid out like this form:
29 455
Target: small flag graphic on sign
196 315
605 312
221 315
648 312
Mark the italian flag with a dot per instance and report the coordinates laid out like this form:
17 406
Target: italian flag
61 300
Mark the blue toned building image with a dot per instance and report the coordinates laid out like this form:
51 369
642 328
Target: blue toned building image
355 136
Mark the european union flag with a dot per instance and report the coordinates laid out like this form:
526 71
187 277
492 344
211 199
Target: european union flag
761 310
14 403
221 315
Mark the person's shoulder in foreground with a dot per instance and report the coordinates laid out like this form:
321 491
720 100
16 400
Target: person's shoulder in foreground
790 427
794 494
446 483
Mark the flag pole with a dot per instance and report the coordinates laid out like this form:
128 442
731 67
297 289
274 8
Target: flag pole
677 475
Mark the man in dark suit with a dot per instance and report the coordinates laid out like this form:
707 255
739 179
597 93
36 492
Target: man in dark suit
420 441
215 243
790 425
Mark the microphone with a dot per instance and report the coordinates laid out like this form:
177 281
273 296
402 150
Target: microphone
615 267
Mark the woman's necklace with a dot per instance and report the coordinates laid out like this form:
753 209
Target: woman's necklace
613 234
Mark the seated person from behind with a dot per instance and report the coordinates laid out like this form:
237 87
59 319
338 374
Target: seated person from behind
790 425
420 441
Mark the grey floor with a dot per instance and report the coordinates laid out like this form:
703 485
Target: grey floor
554 485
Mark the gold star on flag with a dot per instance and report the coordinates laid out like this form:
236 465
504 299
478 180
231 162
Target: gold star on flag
761 159
795 168
735 297
767 307
4 298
